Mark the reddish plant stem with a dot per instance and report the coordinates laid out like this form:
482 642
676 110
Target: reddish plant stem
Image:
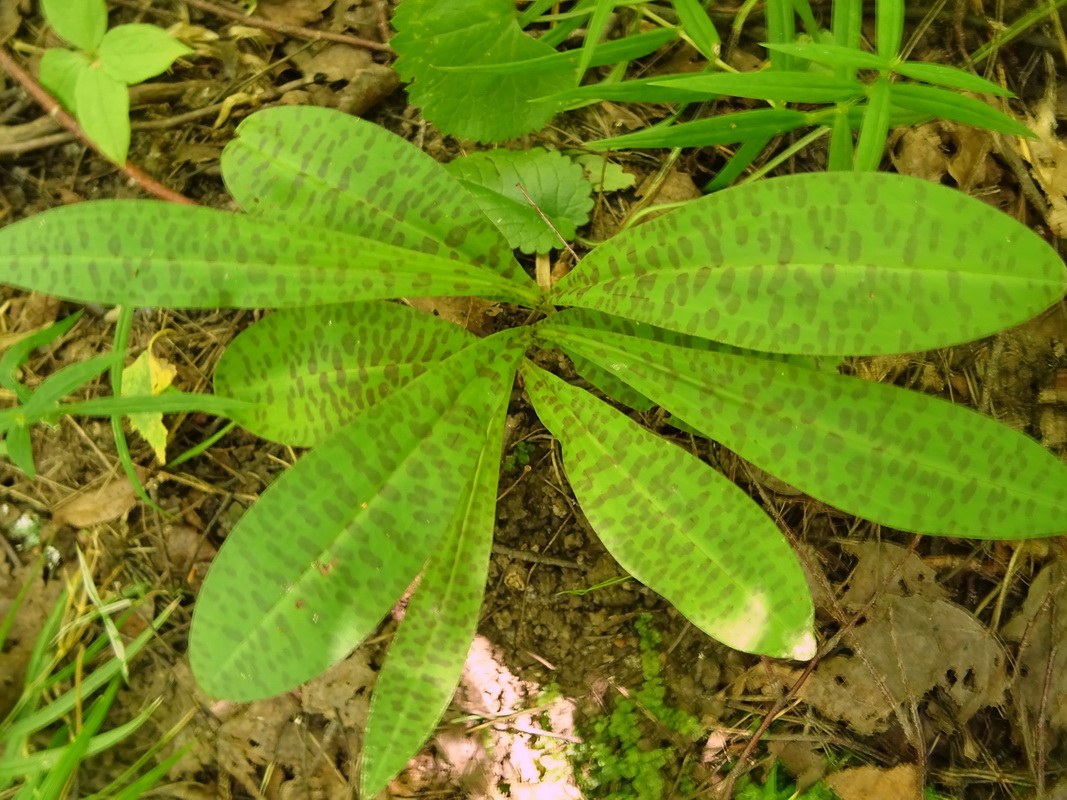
9 65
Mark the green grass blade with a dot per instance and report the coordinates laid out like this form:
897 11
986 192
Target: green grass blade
773 85
760 124
18 353
781 29
598 21
958 108
678 526
426 658
316 167
698 27
825 264
890 455
140 252
889 26
642 90
840 156
306 372
833 55
363 509
951 77
873 133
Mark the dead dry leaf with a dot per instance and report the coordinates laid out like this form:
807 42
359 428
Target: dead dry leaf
873 783
111 501
292 12
879 560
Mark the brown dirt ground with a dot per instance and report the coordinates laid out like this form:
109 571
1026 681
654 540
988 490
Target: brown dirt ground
976 708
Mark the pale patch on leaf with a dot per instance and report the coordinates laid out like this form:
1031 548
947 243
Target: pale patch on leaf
148 376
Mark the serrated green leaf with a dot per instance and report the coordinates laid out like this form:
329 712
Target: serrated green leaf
890 455
441 33
427 655
146 253
678 526
774 85
604 175
761 123
363 510
825 264
832 55
949 76
316 166
78 22
949 105
555 184
137 52
103 105
310 371
60 70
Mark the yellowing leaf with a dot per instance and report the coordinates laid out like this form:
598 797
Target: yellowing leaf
148 376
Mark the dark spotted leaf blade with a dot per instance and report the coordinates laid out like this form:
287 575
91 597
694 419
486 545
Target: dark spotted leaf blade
327 550
894 456
309 371
678 526
147 253
426 658
825 264
315 166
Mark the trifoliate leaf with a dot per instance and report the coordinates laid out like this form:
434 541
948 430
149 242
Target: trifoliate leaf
149 376
444 47
604 175
59 74
553 182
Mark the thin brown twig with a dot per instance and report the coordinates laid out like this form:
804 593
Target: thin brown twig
9 65
236 14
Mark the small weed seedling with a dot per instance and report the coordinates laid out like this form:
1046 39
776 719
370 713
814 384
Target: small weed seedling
611 763
91 81
713 312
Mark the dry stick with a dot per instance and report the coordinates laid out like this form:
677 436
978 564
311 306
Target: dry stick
230 12
1042 710
54 109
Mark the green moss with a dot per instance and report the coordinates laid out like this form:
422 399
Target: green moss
611 763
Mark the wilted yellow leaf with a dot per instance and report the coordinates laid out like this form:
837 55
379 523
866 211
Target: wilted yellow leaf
147 376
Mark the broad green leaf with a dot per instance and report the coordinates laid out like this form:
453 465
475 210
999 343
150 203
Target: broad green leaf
775 85
78 22
60 70
724 129
441 33
872 139
137 52
949 76
103 111
890 455
147 253
825 264
698 27
304 165
309 371
360 514
833 55
427 655
949 105
889 26
678 526
147 376
552 182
